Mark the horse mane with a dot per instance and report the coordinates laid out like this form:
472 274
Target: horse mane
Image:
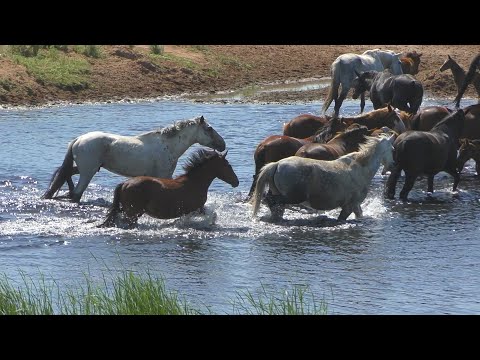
367 149
446 119
350 131
322 134
372 113
198 158
171 130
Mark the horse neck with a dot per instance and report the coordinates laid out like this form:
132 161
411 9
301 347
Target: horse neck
371 162
458 74
180 142
201 177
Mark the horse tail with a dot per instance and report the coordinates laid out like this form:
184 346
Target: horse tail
62 174
259 158
334 84
114 208
265 176
468 79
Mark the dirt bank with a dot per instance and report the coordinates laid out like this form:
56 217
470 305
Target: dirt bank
132 72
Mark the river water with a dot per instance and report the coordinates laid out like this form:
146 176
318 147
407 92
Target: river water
420 257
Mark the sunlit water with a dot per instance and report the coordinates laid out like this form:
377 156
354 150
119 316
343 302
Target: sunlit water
417 257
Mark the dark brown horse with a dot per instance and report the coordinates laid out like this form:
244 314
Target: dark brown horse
429 116
459 75
426 152
469 149
171 198
410 62
277 147
343 143
401 91
304 125
468 79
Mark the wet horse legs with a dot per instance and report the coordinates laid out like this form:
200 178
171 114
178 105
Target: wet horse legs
409 181
276 205
392 182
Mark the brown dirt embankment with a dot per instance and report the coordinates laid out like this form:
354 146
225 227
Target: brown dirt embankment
132 72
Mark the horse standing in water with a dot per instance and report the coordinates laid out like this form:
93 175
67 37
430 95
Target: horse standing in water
426 152
304 125
343 72
323 185
154 153
401 91
171 198
277 147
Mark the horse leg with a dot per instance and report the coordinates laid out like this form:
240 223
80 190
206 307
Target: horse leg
409 181
477 167
456 177
276 205
339 101
362 102
252 188
82 184
345 213
392 181
430 183
357 210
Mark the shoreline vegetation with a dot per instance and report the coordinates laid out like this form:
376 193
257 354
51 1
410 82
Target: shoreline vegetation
39 75
132 293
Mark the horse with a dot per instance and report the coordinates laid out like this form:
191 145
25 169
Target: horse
426 152
277 147
304 125
401 91
170 198
469 149
410 62
468 79
386 116
341 144
427 117
430 116
343 72
154 153
323 185
459 75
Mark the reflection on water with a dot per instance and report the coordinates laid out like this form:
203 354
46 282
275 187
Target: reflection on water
420 256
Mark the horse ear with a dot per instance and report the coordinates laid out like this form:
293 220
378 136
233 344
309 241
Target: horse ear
390 109
391 138
449 58
202 119
356 73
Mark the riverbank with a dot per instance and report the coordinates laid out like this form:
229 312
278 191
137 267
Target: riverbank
119 72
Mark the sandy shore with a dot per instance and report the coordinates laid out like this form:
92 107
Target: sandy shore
130 72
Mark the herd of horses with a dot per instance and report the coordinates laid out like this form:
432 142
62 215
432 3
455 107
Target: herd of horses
322 162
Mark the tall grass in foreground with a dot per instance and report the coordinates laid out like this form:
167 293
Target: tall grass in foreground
132 294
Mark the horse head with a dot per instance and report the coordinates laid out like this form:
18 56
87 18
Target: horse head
225 170
207 136
468 149
395 116
360 83
447 64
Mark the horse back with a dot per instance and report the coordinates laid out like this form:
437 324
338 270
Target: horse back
424 151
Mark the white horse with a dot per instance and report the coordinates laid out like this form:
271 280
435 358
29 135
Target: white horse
154 153
324 185
390 59
343 72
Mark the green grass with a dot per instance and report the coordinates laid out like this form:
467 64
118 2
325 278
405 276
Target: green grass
183 62
54 67
128 293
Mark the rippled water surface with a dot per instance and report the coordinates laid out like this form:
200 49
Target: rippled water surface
417 257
